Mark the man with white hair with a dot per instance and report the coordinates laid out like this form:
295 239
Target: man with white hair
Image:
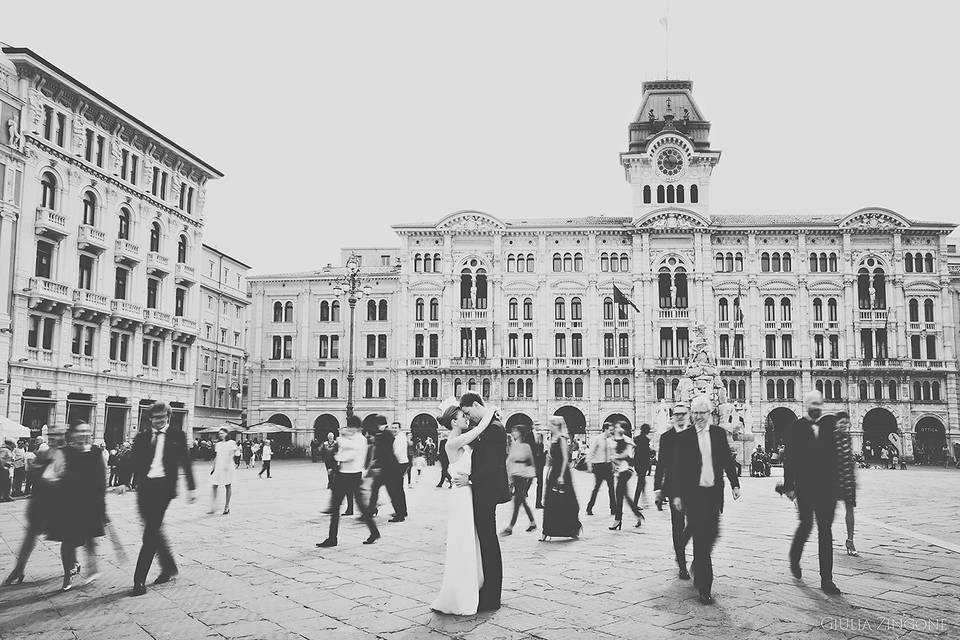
810 476
701 458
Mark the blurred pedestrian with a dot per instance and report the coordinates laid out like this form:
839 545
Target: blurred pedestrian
6 469
623 462
521 470
641 461
19 469
560 507
222 471
266 456
846 476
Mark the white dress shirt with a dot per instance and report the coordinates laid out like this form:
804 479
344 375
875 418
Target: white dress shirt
400 448
156 466
706 455
267 453
816 430
351 453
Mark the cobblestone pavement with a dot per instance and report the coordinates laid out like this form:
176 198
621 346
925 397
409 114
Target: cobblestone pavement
256 573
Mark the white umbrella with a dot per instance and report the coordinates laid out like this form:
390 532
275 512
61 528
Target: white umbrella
13 430
269 427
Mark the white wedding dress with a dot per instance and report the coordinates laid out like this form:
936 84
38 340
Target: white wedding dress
462 570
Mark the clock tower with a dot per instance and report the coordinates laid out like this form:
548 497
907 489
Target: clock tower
669 160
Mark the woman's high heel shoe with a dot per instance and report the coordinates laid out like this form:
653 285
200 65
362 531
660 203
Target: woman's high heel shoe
13 578
67 582
226 510
852 550
617 526
532 527
639 519
76 569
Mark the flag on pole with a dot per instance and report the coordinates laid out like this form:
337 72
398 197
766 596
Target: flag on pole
620 298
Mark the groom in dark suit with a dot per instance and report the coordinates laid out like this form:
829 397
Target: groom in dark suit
488 480
158 454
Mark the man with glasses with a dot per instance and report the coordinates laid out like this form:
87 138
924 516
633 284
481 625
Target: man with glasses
702 456
661 487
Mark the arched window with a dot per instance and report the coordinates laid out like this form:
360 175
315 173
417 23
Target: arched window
371 309
321 388
335 311
663 287
787 262
604 262
286 388
833 262
278 311
813 263
819 386
608 388
892 389
529 387
785 309
823 262
832 309
818 310
427 263
527 309
567 262
781 389
457 387
694 194
769 312
182 250
578 262
928 262
274 388
416 387
433 385
624 262
914 310
576 309
434 309
723 310
382 388
530 263
917 394
661 389
578 388
559 309
878 390
661 194
674 384
670 194
928 310
625 385
836 390
918 262
728 266
382 310
418 263
608 308
568 387
48 191
558 387
123 231
436 263
90 208
288 312
765 262
324 311
926 390
771 392
368 388
680 193
719 262
791 389
614 262
155 236
863 389
936 391
418 309
646 194
511 263
616 388
512 388
557 263
775 261
512 308
908 262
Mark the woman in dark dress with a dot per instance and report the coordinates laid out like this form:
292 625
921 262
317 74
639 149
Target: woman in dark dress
81 512
561 511
43 476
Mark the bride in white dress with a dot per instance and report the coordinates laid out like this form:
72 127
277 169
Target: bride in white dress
462 569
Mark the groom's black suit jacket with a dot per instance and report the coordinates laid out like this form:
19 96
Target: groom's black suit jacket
489 474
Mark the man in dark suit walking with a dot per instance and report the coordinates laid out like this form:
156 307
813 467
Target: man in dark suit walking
157 455
701 458
444 463
810 476
386 470
661 487
490 487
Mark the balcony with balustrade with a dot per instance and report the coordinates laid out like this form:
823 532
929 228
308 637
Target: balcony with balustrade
667 364
473 315
616 362
186 326
929 365
566 364
126 311
157 318
877 363
184 274
873 315
40 356
423 363
828 363
90 301
89 238
48 295
82 362
519 363
157 264
50 224
781 364
126 252
470 362
672 314
734 363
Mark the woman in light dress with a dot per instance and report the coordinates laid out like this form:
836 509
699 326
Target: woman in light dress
222 471
462 569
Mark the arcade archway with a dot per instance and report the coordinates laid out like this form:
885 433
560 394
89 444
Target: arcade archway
519 419
327 423
614 418
878 424
576 421
279 439
424 426
930 438
778 422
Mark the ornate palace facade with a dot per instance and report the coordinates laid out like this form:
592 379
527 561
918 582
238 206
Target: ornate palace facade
861 305
100 240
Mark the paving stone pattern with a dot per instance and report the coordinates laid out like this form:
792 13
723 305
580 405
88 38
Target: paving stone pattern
256 573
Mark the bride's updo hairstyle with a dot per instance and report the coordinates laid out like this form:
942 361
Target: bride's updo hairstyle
449 409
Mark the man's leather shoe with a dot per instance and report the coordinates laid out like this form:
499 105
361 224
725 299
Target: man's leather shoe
329 542
795 569
589 511
396 519
830 588
706 598
373 538
683 574
165 577
348 513
138 590
488 607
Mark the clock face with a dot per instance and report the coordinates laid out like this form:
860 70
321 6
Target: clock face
670 162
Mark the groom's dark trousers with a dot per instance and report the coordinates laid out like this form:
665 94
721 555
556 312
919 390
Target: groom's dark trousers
490 488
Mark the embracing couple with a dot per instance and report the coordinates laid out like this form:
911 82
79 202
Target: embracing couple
477 448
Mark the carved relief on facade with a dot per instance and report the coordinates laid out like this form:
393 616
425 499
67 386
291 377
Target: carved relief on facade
79 139
36 112
470 222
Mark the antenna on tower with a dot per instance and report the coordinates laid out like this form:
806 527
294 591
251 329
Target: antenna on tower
665 23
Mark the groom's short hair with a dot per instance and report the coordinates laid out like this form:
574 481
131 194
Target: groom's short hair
470 398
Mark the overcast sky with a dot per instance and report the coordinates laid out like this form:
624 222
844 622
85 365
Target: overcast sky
334 120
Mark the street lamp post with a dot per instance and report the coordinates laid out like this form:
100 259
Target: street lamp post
349 284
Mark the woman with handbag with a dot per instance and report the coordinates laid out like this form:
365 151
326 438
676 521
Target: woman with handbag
521 468
622 470
561 510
